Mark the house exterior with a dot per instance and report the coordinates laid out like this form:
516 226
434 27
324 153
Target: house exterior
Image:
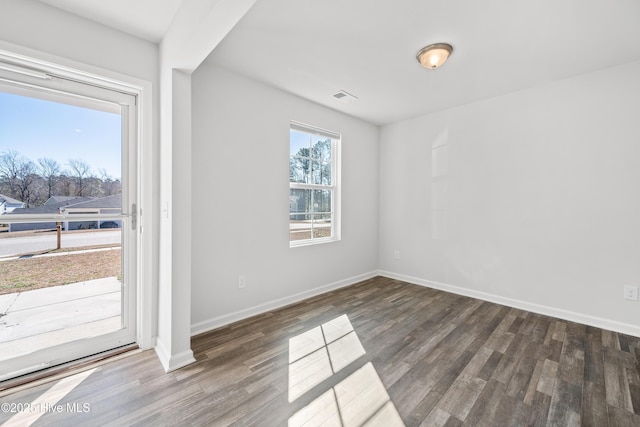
71 206
8 204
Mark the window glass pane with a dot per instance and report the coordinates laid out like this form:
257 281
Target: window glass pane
299 169
321 201
321 173
321 148
299 203
299 143
322 226
299 214
298 231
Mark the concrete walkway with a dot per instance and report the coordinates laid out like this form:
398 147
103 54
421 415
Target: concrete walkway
38 319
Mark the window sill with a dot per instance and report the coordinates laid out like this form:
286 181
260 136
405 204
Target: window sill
312 242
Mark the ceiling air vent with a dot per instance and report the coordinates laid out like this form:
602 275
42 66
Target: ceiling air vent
343 96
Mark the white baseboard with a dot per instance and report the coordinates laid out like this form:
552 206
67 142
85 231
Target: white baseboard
559 313
173 362
217 322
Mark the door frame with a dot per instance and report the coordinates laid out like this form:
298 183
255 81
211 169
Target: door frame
146 167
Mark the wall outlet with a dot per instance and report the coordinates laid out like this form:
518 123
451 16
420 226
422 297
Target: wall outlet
396 254
242 281
631 293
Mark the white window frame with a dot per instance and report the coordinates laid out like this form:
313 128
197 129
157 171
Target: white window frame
334 188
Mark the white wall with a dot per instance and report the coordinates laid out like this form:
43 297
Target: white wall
241 199
532 198
196 29
38 26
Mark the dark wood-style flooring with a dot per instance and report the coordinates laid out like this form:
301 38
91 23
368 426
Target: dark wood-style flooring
381 352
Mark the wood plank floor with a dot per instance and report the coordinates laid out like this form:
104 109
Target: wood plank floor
381 352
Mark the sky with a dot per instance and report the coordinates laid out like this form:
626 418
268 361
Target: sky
37 129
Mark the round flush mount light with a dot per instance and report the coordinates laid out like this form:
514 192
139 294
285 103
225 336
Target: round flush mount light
434 55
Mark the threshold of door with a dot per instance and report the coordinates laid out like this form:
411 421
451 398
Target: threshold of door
57 372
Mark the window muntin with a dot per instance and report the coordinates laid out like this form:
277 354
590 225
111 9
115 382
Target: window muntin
313 186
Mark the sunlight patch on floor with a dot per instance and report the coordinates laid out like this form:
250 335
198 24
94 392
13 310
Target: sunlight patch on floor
360 399
46 402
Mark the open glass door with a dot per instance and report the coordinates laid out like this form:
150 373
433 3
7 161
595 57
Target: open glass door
68 191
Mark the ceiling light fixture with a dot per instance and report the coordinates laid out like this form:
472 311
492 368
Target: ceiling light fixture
434 55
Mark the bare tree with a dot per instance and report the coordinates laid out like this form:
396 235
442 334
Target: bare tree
65 185
108 185
9 166
19 175
50 172
34 184
27 178
80 172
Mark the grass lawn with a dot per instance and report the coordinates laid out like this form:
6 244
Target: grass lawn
42 272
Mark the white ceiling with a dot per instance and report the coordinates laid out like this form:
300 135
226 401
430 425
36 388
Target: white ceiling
367 47
314 48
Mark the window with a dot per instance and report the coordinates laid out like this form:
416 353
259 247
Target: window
313 185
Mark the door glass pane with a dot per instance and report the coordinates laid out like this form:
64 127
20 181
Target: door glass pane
60 281
51 295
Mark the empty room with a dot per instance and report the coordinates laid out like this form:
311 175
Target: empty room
462 236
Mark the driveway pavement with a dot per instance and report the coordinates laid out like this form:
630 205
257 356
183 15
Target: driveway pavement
41 318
